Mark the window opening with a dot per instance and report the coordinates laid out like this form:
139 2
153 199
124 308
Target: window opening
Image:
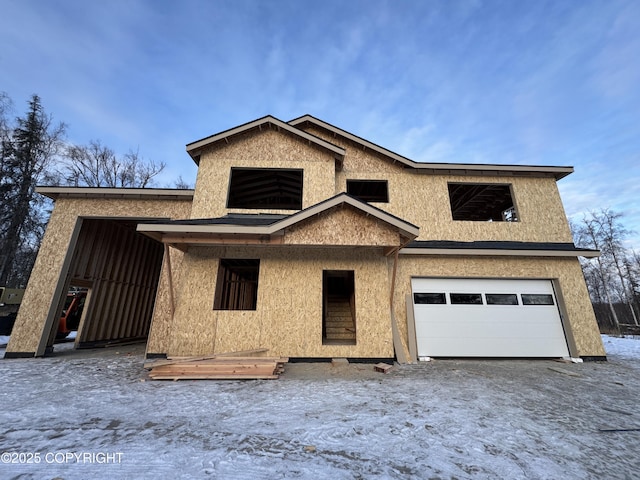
482 202
501 299
265 188
237 285
537 299
429 298
466 299
369 190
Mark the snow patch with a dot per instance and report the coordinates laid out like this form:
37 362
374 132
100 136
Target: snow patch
480 419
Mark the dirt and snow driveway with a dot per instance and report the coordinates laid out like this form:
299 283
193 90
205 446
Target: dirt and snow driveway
93 416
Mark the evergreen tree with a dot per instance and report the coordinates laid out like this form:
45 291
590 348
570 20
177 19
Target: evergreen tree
26 153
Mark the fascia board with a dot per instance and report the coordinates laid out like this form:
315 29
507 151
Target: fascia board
194 147
557 172
406 228
499 252
106 192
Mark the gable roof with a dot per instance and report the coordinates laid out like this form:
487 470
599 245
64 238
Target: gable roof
185 231
194 149
439 168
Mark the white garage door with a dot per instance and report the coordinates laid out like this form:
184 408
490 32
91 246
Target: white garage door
487 318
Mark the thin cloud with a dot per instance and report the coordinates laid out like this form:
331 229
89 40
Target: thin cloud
544 82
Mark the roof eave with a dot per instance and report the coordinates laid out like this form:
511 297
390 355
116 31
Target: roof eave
500 252
557 172
119 193
194 149
406 229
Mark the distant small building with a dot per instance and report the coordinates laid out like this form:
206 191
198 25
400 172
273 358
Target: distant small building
314 243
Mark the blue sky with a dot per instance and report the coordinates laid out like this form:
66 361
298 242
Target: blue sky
473 81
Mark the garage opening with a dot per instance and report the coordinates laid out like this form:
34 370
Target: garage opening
110 286
464 317
338 308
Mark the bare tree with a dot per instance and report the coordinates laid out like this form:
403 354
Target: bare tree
96 165
613 234
611 278
587 234
182 184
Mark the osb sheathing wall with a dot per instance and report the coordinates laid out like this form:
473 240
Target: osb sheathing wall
581 318
288 318
261 149
161 323
39 294
423 199
342 226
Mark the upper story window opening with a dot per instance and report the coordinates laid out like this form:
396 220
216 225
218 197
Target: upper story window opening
482 202
369 190
265 188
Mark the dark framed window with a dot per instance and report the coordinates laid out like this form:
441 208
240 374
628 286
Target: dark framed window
482 202
537 299
369 190
466 298
265 188
501 298
429 298
237 285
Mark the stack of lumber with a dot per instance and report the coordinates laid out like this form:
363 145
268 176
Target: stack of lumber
217 367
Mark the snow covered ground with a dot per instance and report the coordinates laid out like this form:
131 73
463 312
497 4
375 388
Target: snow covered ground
84 415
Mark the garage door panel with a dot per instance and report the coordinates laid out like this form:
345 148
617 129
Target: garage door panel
471 347
488 330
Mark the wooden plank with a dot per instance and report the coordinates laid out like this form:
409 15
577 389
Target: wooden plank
397 341
158 363
215 365
220 357
382 367
411 330
221 377
243 359
228 354
208 373
395 331
167 256
200 366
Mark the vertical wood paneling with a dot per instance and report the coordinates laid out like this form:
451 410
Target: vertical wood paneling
123 267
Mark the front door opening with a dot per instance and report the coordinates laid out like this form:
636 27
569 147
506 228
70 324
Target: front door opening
338 308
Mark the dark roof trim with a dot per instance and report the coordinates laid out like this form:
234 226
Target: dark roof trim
240 226
556 172
116 193
498 248
194 149
230 219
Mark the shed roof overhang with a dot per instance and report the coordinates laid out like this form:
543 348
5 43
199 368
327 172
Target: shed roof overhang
270 230
116 193
498 248
556 172
194 149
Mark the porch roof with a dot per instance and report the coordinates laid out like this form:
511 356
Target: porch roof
265 229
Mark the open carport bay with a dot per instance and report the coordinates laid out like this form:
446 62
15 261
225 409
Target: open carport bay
534 419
